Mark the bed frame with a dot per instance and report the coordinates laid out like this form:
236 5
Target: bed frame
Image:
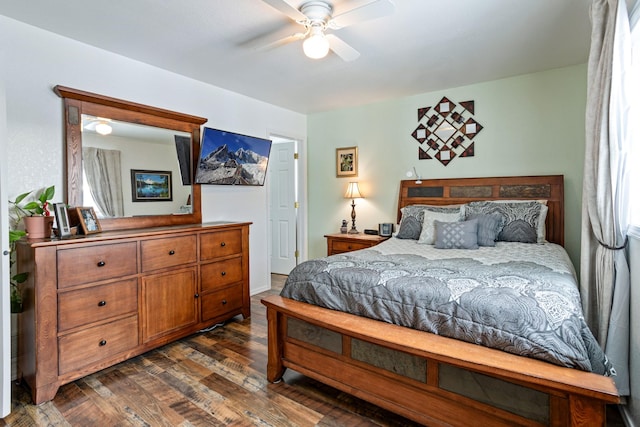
429 378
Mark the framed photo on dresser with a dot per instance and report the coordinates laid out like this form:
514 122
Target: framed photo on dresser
88 220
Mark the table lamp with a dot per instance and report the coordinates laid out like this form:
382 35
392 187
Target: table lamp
353 192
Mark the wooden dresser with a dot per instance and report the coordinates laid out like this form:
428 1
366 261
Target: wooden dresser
93 301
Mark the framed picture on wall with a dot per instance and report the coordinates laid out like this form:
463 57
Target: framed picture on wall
151 186
88 220
346 162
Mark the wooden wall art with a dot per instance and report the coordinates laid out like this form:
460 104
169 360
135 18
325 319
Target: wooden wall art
446 131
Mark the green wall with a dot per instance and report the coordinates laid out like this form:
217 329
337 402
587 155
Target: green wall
533 125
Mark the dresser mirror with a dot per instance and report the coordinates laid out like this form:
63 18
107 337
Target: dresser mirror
139 161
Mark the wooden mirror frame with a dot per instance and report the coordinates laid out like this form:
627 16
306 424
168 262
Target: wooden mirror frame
77 103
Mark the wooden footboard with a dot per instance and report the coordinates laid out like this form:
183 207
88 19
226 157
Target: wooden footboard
428 378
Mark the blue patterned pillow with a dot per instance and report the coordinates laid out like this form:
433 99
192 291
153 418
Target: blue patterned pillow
457 235
520 221
488 228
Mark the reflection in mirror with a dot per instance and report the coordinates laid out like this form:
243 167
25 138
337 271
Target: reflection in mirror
95 128
111 149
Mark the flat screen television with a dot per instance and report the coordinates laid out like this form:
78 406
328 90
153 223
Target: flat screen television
228 158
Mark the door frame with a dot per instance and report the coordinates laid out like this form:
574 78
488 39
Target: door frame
5 315
301 178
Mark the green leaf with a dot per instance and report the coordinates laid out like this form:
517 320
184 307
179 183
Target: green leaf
48 194
21 197
31 206
20 277
15 235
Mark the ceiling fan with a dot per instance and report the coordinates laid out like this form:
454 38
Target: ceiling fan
316 16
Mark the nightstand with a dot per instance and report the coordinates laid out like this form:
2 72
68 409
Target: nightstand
338 243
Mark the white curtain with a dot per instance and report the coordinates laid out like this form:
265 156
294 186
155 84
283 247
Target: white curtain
604 268
103 172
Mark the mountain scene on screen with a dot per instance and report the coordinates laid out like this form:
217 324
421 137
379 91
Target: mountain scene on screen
223 166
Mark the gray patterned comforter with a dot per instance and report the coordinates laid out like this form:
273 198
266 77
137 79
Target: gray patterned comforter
520 298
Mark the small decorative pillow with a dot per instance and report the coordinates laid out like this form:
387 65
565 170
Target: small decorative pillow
521 221
412 218
488 228
457 235
428 233
410 223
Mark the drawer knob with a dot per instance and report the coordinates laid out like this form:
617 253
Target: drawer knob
196 296
103 343
224 273
101 264
172 252
223 244
224 302
102 303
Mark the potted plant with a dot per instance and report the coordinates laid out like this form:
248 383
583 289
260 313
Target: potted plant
38 223
36 215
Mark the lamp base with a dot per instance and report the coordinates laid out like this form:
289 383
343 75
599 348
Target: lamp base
353 231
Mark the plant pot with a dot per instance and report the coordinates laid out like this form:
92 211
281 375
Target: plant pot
38 227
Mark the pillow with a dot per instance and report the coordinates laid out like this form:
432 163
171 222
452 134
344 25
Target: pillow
428 233
457 235
410 223
412 216
488 228
521 221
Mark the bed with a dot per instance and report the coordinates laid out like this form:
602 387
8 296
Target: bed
449 373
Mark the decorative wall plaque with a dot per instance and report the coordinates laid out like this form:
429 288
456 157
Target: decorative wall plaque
446 131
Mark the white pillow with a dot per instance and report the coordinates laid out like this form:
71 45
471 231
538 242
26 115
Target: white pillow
428 233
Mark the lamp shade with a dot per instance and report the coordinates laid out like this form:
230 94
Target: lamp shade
353 192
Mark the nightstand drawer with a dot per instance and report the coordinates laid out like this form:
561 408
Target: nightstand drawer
340 243
339 246
84 306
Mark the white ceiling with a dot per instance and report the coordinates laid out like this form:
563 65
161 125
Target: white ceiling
426 45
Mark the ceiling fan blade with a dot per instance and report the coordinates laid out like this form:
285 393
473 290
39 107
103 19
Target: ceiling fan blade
371 10
287 8
342 49
281 41
275 39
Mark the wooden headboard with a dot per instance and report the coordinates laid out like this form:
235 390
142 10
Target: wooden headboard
453 191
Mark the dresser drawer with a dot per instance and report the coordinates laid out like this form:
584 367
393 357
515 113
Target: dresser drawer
221 273
84 306
221 302
92 345
339 246
169 252
220 244
93 263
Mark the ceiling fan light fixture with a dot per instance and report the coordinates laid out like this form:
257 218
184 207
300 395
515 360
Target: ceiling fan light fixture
103 128
316 46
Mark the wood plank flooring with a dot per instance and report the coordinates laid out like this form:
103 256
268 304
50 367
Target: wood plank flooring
215 378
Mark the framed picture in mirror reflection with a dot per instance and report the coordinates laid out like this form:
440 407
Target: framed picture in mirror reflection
151 186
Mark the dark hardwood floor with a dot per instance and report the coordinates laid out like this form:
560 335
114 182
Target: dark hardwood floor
214 378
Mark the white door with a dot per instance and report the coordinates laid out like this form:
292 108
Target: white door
5 318
283 209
